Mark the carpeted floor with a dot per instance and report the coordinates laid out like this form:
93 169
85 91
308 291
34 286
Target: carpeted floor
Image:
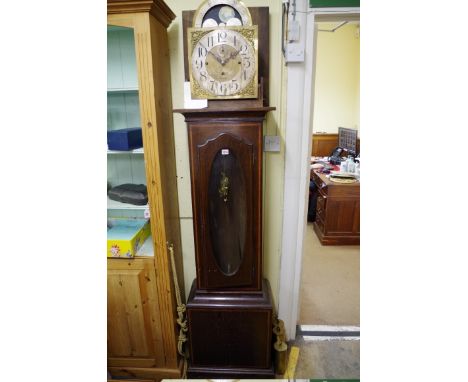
327 359
329 283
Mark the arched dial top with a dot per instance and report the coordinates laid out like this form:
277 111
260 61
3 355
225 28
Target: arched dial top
214 13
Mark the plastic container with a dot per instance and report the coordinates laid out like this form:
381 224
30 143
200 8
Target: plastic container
344 166
351 164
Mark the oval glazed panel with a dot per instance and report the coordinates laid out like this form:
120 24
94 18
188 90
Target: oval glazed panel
227 215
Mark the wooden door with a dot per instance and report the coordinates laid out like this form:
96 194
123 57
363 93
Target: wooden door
226 182
133 321
342 217
250 346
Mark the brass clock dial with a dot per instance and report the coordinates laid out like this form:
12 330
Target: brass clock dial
223 62
214 13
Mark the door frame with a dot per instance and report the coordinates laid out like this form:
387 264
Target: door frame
298 142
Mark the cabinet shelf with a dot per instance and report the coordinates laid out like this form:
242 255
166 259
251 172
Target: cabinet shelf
135 151
122 90
115 205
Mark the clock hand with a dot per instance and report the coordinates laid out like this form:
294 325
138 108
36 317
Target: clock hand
229 57
219 59
214 55
234 55
223 61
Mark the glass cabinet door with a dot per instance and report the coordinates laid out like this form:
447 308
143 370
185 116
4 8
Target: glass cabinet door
226 205
123 112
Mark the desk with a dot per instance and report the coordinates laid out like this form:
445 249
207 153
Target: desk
338 212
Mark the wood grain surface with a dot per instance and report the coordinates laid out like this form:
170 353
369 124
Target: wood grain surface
337 220
145 338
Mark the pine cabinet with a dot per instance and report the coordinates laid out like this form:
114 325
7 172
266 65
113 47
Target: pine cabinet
141 324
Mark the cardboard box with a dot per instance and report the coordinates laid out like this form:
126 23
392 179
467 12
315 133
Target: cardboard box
126 236
125 139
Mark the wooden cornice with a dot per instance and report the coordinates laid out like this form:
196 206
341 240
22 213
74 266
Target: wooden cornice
219 115
157 8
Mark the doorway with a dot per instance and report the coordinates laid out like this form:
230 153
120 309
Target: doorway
299 121
329 288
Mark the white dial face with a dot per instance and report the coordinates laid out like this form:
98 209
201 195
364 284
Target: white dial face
223 63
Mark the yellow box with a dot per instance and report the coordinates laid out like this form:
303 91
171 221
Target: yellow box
126 236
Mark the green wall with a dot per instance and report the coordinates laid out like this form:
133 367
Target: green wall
333 3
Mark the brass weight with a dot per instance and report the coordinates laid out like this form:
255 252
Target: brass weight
281 348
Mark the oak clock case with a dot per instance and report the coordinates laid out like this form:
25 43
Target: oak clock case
223 62
230 307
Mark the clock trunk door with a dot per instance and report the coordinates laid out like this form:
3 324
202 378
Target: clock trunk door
227 206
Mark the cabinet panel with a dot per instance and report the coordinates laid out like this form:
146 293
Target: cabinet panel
133 322
123 110
121 62
357 220
340 217
324 144
245 349
227 214
321 202
126 300
228 222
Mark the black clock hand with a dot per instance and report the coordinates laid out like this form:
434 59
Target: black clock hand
229 57
219 59
214 55
234 55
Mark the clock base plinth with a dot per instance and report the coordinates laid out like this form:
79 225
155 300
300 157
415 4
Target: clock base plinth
230 333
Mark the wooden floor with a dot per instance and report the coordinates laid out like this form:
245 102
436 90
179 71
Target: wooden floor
329 283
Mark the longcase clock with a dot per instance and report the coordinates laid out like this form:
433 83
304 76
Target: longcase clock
230 307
